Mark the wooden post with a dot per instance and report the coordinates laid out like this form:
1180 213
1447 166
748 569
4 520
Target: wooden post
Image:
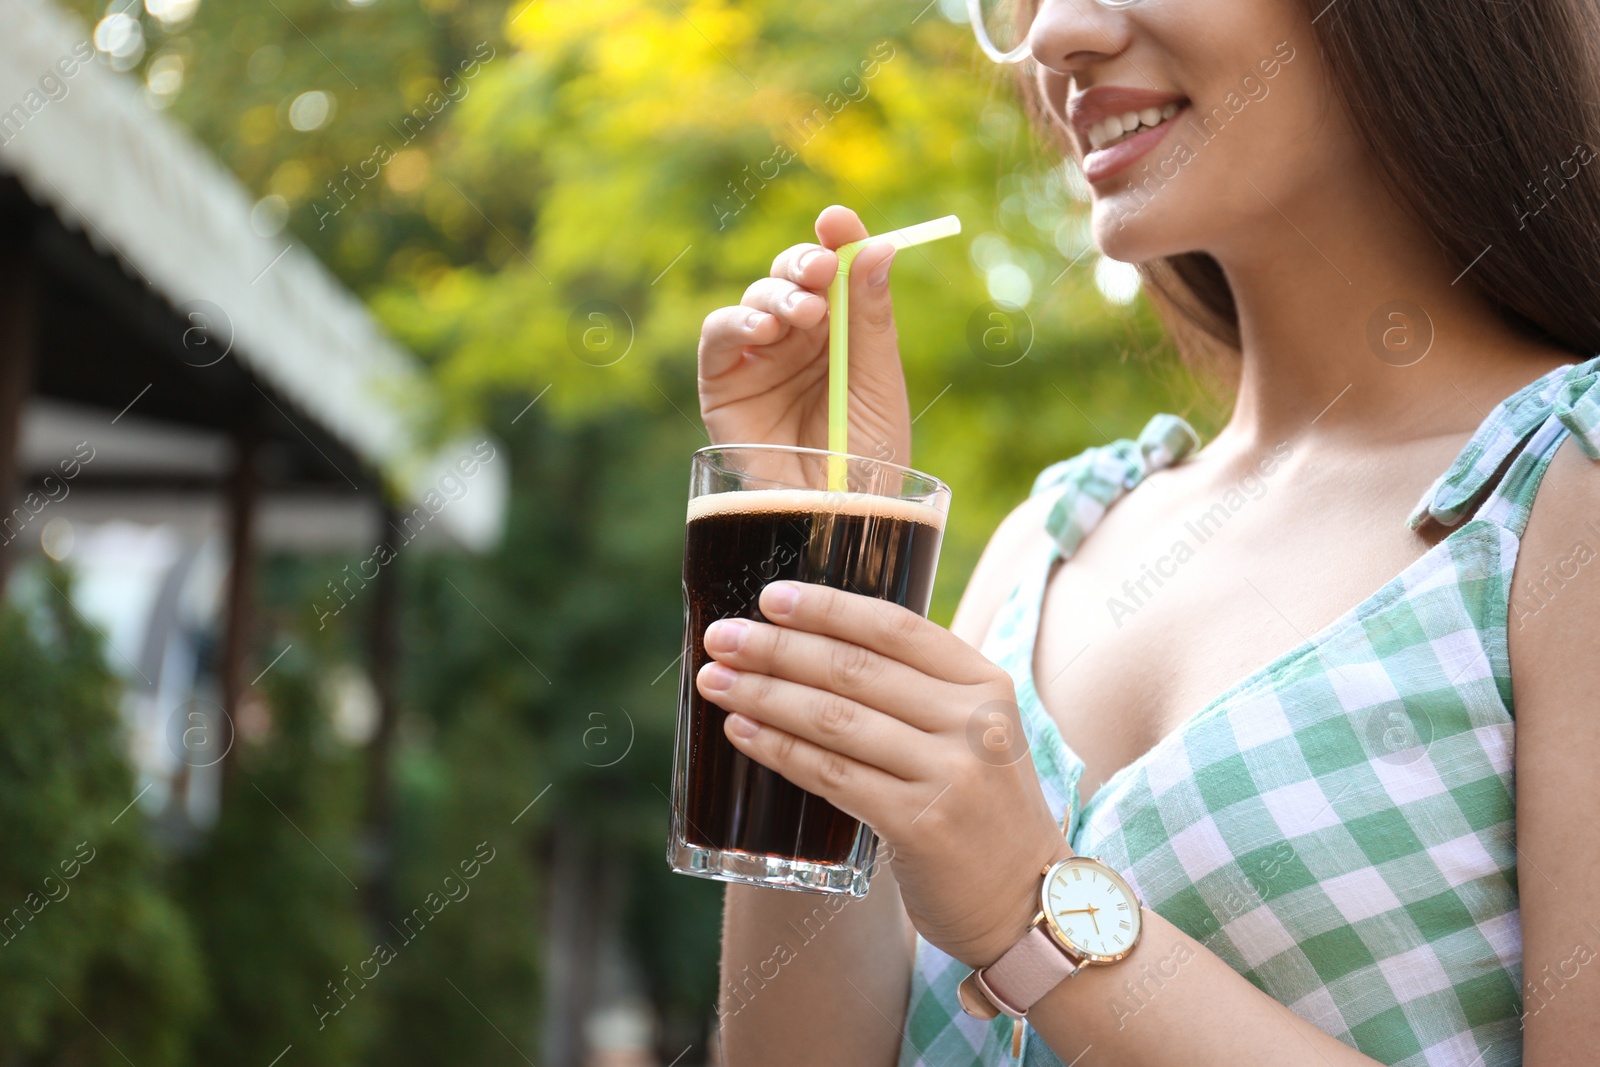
243 492
572 940
383 660
19 339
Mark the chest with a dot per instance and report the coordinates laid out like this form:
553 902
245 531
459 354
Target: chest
1186 588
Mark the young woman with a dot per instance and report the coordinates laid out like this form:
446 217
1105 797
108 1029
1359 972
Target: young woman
1270 689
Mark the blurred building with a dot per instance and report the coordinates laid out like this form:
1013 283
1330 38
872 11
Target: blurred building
179 394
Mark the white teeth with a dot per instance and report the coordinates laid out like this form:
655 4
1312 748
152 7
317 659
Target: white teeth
1117 128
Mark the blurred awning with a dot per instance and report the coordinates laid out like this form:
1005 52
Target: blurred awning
223 316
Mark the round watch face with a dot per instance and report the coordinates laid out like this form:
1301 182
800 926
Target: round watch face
1091 909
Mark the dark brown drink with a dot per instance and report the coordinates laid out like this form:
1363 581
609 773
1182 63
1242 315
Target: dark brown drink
737 543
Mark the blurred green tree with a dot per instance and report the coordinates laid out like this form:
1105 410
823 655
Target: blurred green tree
96 964
558 638
271 895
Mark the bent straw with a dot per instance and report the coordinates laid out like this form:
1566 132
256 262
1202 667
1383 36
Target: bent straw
839 333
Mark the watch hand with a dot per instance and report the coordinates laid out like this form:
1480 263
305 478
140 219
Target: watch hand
1076 911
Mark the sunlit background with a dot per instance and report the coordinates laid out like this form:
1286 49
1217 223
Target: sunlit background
338 665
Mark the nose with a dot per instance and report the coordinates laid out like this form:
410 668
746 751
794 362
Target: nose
1068 35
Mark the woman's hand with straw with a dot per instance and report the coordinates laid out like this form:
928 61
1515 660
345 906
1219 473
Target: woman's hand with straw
764 364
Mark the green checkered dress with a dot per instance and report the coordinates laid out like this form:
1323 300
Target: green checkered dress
1339 826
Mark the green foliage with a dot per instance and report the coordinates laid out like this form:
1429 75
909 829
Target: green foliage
656 155
273 891
566 640
459 793
88 940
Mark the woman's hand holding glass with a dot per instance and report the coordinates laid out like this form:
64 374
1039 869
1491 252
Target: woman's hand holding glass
873 707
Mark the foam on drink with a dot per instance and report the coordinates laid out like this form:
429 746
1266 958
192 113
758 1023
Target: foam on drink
813 502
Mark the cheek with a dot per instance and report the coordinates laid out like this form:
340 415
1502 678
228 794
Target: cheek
1286 136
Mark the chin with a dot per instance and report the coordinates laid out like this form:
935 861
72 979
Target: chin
1132 234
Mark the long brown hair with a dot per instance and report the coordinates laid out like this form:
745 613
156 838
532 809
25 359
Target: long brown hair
1477 114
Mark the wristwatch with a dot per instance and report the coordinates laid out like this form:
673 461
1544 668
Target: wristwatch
1088 914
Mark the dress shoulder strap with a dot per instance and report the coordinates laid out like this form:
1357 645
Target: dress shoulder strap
1575 411
1497 474
1090 482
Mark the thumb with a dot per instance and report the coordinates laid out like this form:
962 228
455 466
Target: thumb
872 333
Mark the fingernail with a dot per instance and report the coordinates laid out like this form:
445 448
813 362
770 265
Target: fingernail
726 635
742 726
880 276
754 319
792 301
717 678
807 259
779 599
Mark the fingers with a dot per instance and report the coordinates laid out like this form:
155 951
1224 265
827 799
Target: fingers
872 331
787 301
808 265
728 331
823 663
794 297
832 722
856 788
838 225
887 629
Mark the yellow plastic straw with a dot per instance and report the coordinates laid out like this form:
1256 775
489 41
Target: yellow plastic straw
839 334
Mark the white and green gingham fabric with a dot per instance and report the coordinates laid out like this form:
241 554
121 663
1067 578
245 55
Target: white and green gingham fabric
1339 826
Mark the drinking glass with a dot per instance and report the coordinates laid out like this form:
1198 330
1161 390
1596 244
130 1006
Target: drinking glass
759 514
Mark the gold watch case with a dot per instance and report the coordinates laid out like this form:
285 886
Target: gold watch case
1120 888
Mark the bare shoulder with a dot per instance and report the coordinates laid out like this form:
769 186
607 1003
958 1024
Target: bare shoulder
1556 597
1555 620
1018 538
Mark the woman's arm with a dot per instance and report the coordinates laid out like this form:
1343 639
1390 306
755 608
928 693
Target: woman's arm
808 979
1555 670
1192 1010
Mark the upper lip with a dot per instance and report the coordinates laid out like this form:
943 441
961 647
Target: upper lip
1101 102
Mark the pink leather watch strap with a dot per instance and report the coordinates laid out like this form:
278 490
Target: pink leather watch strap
1031 968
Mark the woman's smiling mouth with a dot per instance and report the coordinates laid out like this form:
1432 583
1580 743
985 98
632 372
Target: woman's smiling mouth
1119 125
1116 129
